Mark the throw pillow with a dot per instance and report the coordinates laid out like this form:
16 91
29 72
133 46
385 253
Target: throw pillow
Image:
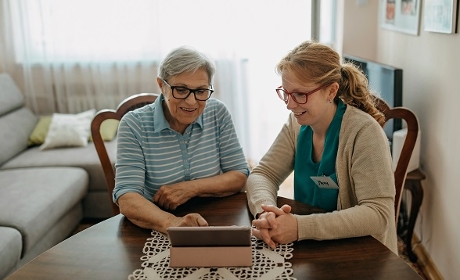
108 129
38 135
69 130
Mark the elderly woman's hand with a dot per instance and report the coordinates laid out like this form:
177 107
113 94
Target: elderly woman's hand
169 197
189 220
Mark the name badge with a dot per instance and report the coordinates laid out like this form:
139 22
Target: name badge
324 182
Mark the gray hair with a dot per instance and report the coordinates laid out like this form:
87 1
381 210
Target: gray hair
186 59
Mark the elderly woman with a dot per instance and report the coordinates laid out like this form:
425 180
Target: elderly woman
182 146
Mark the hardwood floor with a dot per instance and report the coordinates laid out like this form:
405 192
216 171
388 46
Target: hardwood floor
403 255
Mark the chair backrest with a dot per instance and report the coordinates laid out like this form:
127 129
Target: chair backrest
129 104
400 171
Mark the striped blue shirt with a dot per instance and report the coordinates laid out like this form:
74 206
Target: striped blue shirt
150 154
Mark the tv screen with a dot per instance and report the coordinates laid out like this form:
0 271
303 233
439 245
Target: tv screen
386 81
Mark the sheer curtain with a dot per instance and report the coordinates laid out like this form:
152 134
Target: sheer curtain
68 56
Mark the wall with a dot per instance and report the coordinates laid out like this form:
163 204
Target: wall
359 27
431 75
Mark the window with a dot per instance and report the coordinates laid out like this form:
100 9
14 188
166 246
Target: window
247 36
104 30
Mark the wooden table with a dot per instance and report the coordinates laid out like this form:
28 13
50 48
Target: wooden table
112 249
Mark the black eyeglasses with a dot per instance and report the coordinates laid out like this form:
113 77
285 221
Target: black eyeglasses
299 97
201 94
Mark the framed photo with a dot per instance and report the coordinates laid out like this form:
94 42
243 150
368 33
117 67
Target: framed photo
400 15
440 16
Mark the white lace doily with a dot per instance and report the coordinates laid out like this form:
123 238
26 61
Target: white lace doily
267 264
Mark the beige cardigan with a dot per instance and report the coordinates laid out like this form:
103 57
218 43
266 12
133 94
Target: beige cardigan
364 174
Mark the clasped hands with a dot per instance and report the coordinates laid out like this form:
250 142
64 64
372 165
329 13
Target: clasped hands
275 225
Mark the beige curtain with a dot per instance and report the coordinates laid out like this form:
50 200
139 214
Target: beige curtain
69 56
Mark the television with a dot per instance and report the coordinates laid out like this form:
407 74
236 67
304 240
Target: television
384 80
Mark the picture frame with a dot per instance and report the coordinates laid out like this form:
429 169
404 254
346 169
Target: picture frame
400 15
441 16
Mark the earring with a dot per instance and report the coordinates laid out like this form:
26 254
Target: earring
330 100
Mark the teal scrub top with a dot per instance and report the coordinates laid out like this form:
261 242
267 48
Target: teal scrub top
305 189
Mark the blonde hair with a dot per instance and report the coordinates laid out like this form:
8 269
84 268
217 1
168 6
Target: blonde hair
322 65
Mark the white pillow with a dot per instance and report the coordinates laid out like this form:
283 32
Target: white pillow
69 130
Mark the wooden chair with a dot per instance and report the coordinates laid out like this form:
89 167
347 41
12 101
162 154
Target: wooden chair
400 172
129 104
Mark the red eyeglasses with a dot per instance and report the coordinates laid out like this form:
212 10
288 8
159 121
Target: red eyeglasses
299 97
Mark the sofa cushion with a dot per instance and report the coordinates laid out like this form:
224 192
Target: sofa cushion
38 135
83 157
69 130
10 96
34 199
10 246
108 129
15 128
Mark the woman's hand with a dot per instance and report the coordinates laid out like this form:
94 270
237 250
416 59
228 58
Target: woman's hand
276 225
262 228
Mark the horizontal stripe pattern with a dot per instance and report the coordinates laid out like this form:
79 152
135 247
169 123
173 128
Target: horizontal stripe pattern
149 157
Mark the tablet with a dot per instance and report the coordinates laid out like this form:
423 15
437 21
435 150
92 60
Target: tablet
210 236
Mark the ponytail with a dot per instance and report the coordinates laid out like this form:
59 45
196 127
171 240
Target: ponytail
354 91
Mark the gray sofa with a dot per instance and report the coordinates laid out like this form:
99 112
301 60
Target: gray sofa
44 193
